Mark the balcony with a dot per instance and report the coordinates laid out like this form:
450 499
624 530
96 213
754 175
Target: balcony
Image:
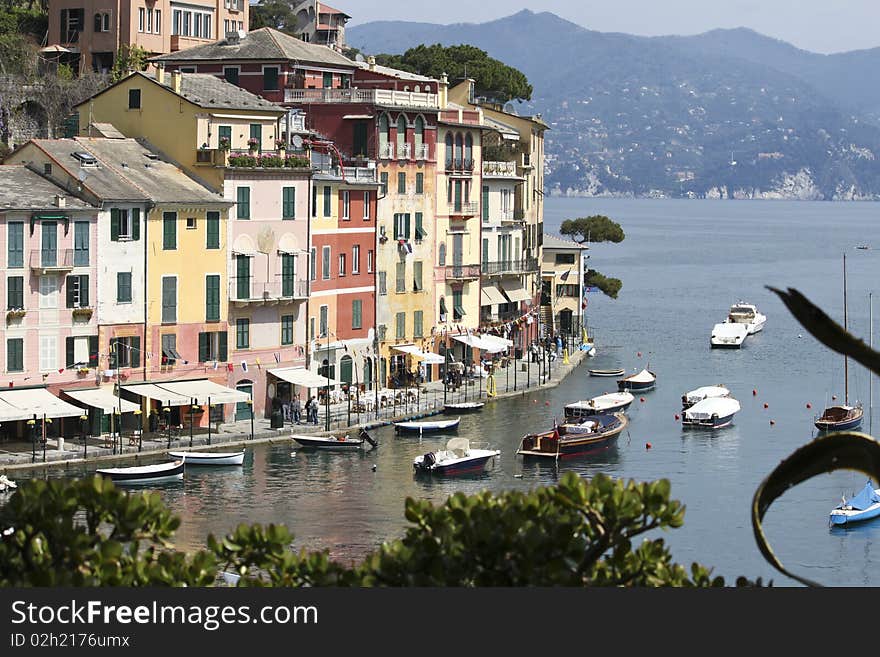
386 151
405 151
512 217
384 97
502 267
461 272
423 152
244 292
499 170
353 174
43 262
257 160
460 167
181 42
462 209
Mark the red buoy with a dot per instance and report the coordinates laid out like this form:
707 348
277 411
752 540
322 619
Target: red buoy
754 392
639 354
546 403
772 422
809 405
766 405
641 399
648 445
676 416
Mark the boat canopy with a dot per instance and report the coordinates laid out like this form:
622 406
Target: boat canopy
458 446
706 392
720 406
866 497
644 376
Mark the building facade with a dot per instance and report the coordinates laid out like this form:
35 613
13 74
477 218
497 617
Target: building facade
563 301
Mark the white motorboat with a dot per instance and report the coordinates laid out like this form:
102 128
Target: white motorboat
463 407
688 399
457 458
427 426
608 403
210 458
728 335
141 474
6 484
747 314
712 413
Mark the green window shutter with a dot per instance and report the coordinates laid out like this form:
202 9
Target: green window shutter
135 224
169 230
213 229
287 264
70 284
485 208
225 131
169 300
114 225
401 325
257 133
421 233
417 276
327 206
243 206
135 351
84 291
420 183
81 243
15 246
15 292
356 314
68 352
15 355
93 351
222 350
288 203
383 178
212 298
401 183
417 324
406 233
204 346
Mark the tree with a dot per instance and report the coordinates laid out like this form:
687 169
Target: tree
277 14
128 59
597 228
492 78
576 533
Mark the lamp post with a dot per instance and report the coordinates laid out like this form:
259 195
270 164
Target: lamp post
138 412
209 420
44 437
327 390
32 423
251 404
191 417
83 429
166 411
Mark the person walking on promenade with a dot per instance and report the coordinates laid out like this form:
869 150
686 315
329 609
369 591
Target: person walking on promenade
297 410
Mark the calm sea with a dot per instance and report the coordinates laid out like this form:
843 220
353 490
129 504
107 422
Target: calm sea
683 264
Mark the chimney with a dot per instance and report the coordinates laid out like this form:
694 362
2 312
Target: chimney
60 201
175 81
443 91
371 63
160 73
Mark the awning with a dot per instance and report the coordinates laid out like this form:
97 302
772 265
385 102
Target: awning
23 404
426 356
201 390
500 343
300 376
101 398
491 295
475 342
153 391
514 291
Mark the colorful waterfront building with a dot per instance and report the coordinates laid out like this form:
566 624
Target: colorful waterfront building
563 299
91 32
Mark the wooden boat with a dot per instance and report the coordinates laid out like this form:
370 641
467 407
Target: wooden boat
863 506
618 372
141 474
608 403
842 417
463 407
688 399
644 380
210 458
6 484
431 426
712 412
336 443
595 434
457 458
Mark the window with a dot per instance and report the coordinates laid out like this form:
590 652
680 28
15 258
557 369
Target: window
186 22
384 136
356 259
449 150
15 355
417 276
383 178
83 351
242 277
212 298
314 201
370 261
459 152
213 230
286 329
78 291
125 224
366 206
288 273
342 264
123 287
401 134
257 134
224 135
48 352
15 293
421 233
420 183
313 263
383 286
441 254
485 254
346 205
169 349
469 152
322 321
157 25
400 325
327 211
485 208
359 141
149 20
49 244
127 350
169 299
419 136
401 183
213 346
81 244
565 258
169 231
288 202
134 99
230 74
356 314
327 82
457 308
401 277
142 23
243 205
401 226
418 318
270 78
48 291
325 263
15 244
242 333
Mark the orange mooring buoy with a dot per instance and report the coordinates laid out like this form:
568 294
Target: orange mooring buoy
676 416
648 445
546 403
641 399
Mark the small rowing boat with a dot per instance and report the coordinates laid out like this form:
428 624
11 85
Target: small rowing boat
210 458
430 426
463 407
618 372
864 506
142 474
335 443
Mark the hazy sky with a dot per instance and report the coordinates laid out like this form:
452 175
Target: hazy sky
817 25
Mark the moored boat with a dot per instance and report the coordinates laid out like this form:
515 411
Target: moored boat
728 335
712 413
596 433
463 407
863 506
747 315
607 403
644 380
688 399
142 474
617 372
430 426
335 443
457 458
840 418
6 484
209 458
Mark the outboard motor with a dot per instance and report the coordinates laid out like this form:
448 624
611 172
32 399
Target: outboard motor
366 436
428 460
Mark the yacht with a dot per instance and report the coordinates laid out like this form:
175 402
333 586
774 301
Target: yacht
728 335
747 314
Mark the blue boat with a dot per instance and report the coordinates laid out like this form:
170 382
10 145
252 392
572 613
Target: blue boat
840 418
864 506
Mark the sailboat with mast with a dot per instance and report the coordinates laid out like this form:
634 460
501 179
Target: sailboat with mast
842 416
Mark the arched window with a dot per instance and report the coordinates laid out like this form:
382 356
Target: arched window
449 150
459 148
419 131
384 134
368 373
99 23
401 134
442 254
469 152
416 89
345 369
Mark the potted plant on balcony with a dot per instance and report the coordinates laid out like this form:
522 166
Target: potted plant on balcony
280 146
83 371
82 313
223 144
253 144
15 313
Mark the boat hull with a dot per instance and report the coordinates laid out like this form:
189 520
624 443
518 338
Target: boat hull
467 407
606 372
138 475
469 466
725 345
635 385
843 425
545 446
318 442
843 517
838 419
715 422
426 427
206 458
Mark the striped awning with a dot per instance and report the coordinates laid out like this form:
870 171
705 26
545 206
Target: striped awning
490 295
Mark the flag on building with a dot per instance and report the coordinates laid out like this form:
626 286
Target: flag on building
244 367
277 358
